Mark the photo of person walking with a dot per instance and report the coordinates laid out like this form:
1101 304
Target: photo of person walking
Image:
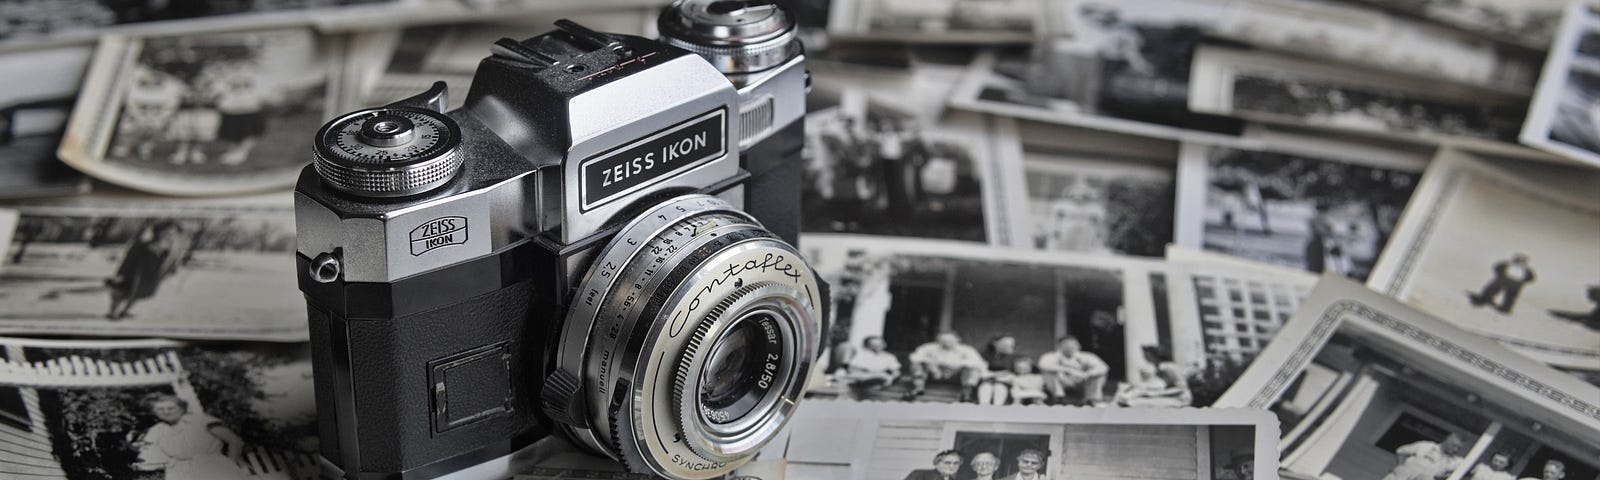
151 257
201 274
1509 277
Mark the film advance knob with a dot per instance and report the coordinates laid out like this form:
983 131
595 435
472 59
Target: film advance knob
388 152
736 36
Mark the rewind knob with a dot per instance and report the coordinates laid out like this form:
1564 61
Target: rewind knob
391 151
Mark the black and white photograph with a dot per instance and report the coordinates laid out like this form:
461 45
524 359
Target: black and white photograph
1224 313
929 442
1529 23
1082 202
1284 207
1283 89
175 273
1057 239
154 409
1503 255
1367 387
1127 66
38 21
33 117
943 322
1360 36
1128 86
1563 117
938 21
203 114
875 167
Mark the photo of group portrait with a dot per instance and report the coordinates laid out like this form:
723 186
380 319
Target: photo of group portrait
922 328
867 440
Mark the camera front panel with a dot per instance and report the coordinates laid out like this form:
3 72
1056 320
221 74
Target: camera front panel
398 399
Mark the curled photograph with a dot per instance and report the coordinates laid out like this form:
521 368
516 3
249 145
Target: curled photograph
152 409
1531 284
203 114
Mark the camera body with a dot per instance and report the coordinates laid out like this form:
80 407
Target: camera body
597 244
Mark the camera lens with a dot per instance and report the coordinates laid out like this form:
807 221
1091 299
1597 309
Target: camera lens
690 339
733 372
739 374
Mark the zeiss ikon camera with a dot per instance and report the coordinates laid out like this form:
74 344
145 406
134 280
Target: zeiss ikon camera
598 244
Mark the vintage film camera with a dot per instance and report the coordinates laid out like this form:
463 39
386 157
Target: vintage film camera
599 243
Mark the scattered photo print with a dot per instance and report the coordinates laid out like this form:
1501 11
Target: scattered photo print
1365 386
204 114
123 273
894 442
874 168
1098 205
1563 118
1505 256
1290 209
145 410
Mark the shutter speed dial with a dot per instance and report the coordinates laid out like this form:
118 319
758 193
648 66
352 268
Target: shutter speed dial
388 152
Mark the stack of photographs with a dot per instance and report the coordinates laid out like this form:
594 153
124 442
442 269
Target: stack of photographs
1175 180
1136 239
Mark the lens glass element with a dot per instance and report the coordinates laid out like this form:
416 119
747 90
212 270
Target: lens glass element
742 367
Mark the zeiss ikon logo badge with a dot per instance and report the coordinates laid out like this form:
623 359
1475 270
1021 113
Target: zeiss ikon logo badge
439 232
656 157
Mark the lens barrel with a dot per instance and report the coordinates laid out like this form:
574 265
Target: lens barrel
688 342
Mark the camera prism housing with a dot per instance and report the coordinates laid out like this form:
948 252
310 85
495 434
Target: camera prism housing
599 244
